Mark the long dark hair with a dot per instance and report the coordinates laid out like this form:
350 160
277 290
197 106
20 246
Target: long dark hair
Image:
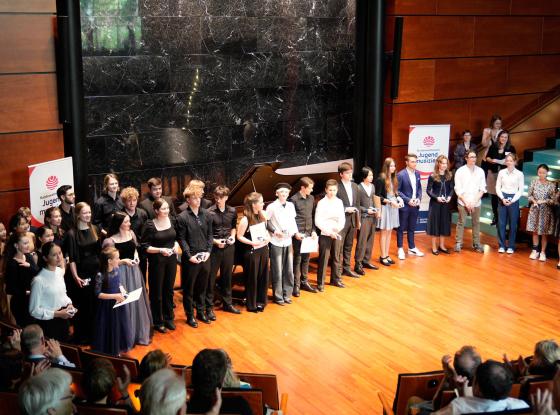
248 203
116 221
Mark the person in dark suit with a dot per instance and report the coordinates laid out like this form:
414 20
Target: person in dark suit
348 193
410 190
369 215
155 193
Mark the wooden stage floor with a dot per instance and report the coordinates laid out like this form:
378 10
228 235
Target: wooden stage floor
332 351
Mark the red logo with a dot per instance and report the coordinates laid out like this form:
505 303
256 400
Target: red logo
52 182
429 141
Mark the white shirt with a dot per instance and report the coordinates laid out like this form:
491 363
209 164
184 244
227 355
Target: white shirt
282 218
510 183
412 178
367 188
329 215
348 188
48 294
469 183
473 404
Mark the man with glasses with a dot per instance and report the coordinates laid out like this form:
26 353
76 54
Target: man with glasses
470 186
67 199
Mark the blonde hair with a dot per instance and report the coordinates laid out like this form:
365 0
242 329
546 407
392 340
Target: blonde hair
77 210
107 178
129 193
447 174
390 178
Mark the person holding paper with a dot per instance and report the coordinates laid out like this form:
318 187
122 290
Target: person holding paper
253 234
348 193
410 190
282 226
369 215
440 191
194 232
304 203
111 324
330 219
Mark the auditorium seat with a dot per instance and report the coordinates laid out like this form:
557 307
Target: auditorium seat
77 383
9 403
96 410
253 397
118 362
72 353
423 385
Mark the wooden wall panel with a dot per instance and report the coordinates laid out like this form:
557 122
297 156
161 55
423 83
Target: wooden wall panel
535 7
28 6
397 153
497 36
530 139
39 147
533 73
10 202
548 118
27 43
473 7
403 7
417 80
28 103
482 109
551 35
435 36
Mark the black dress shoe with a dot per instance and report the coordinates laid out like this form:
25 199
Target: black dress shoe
202 317
444 251
192 322
384 261
306 287
359 270
228 308
350 273
253 310
170 325
320 288
295 293
436 252
260 308
388 258
369 265
210 314
160 329
338 284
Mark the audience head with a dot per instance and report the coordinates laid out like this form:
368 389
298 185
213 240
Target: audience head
151 363
111 183
231 380
411 160
52 254
119 220
496 122
305 185
47 393
345 171
163 393
466 361
155 187
129 196
161 208
32 340
18 224
66 194
493 380
108 259
53 216
331 188
98 380
208 372
545 358
366 173
253 205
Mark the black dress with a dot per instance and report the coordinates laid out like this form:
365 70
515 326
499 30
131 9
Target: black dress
439 214
18 285
255 270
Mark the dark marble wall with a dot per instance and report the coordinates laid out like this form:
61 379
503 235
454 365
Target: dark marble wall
207 88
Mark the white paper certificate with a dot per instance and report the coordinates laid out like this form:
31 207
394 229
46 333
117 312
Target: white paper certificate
259 232
132 297
309 245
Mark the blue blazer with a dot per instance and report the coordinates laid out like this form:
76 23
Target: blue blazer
405 187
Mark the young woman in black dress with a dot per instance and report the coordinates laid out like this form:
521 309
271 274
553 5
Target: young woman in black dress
83 248
159 240
53 220
440 191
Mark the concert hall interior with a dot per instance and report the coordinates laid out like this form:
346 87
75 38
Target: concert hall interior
240 174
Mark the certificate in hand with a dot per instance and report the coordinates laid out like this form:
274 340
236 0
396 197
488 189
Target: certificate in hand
309 245
259 232
132 296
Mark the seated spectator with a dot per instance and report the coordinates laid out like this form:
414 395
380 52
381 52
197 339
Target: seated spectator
545 358
98 381
36 348
152 362
231 380
47 393
208 373
163 393
11 359
490 392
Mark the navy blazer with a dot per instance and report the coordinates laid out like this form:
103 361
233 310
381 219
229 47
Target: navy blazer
405 187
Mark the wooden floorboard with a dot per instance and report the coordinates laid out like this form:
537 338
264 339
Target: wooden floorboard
333 351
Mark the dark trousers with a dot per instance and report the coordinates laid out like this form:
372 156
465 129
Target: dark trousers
495 202
161 278
194 278
56 328
408 215
508 214
83 299
345 246
255 268
301 264
328 247
366 236
222 260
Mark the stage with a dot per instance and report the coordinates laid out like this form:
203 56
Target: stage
332 351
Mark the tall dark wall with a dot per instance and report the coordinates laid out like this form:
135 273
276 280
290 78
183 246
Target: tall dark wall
194 88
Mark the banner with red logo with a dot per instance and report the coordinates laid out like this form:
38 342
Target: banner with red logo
427 142
44 180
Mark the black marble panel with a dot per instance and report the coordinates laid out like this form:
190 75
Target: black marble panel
172 35
229 35
192 73
281 34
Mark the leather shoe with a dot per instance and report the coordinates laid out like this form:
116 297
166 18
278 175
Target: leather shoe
202 317
350 273
260 308
253 310
338 284
306 287
369 265
320 288
228 308
192 322
210 314
170 325
295 293
160 329
359 270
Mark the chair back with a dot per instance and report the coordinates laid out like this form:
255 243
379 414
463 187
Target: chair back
446 398
98 410
253 397
76 385
9 403
118 362
72 353
267 383
424 385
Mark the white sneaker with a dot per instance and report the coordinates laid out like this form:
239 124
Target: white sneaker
501 250
401 254
509 251
416 252
534 254
542 257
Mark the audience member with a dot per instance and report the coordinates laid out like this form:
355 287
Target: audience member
541 219
11 359
440 191
369 215
164 393
36 348
509 188
410 191
47 393
152 362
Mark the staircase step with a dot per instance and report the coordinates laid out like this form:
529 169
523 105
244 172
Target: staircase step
549 156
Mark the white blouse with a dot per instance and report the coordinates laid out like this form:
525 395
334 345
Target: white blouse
48 294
